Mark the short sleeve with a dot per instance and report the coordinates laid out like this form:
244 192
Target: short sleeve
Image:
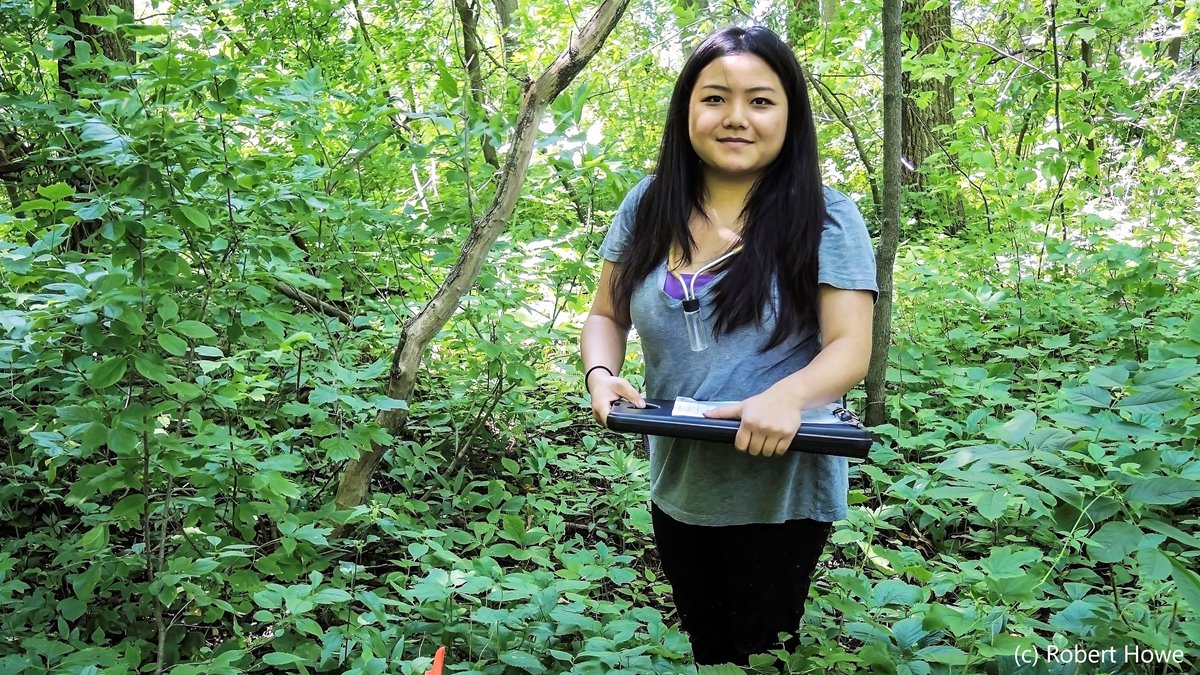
621 229
846 258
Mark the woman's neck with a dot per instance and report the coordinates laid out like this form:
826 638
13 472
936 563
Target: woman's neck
725 198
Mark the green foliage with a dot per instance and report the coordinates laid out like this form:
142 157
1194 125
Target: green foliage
210 247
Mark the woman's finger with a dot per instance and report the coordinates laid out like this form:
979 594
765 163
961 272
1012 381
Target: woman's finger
779 445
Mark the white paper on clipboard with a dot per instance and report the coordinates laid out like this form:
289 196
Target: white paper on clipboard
690 407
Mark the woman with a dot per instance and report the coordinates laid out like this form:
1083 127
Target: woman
785 292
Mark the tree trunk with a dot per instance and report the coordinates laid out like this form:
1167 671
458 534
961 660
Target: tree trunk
468 14
803 20
1173 47
420 330
99 42
113 45
889 239
921 137
504 11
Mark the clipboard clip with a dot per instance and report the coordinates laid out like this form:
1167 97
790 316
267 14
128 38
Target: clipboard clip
848 417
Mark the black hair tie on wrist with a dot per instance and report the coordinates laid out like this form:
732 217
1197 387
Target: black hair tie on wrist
588 376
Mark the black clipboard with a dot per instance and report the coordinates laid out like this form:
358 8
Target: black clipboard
845 439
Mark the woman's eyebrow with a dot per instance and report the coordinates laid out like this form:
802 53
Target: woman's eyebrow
721 87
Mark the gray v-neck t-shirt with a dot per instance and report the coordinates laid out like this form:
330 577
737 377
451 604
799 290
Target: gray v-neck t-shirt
705 483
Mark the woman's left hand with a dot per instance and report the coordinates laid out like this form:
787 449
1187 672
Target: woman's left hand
770 421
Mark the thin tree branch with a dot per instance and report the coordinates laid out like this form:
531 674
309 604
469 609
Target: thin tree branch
831 101
315 304
241 46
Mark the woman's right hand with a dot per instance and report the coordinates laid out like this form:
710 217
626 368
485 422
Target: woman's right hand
607 390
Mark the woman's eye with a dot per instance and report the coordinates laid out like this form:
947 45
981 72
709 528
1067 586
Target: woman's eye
712 99
762 101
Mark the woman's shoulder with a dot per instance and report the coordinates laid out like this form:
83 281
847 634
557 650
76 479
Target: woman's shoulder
633 197
640 187
833 197
629 204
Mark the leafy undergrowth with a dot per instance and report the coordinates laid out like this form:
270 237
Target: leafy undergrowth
1037 491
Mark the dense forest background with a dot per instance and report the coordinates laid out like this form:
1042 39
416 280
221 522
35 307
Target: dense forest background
227 229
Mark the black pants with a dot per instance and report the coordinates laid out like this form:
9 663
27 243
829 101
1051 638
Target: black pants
737 587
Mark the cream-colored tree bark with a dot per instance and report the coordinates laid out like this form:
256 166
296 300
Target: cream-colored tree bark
420 330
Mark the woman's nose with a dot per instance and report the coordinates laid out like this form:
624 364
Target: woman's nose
735 118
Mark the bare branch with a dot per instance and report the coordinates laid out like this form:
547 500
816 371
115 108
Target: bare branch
313 303
831 101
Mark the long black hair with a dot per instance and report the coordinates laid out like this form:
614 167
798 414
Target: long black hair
782 218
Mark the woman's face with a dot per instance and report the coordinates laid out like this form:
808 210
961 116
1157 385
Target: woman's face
737 117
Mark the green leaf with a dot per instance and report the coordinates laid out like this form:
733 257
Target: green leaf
84 583
281 486
97 207
195 216
129 509
56 192
523 660
186 391
282 659
152 367
1057 342
200 567
1152 402
331 596
71 608
194 329
36 205
1114 541
283 463
312 534
95 540
621 575
302 279
107 22
1006 562
907 632
168 309
1016 429
386 403
894 592
1089 395
1173 532
1061 489
107 373
945 617
1165 377
947 654
1153 565
122 440
992 503
1163 490
172 343
1187 581
1108 377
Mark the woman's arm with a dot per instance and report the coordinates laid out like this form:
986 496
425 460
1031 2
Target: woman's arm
602 342
771 419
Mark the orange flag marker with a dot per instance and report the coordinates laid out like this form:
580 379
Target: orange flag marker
439 660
